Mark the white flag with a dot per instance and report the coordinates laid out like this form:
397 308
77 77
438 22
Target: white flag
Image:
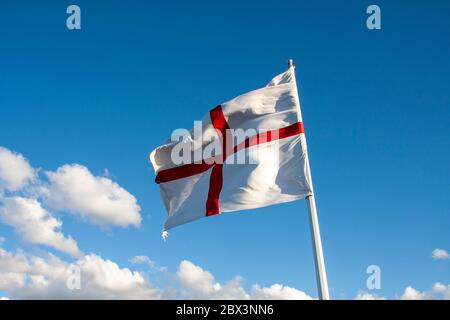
249 152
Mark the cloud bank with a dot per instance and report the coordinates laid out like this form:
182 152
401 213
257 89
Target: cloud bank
73 188
36 225
440 254
29 203
15 171
31 277
25 276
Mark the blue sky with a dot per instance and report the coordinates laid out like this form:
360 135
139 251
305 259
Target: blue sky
376 108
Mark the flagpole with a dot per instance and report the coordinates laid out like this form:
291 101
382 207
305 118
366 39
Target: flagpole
321 275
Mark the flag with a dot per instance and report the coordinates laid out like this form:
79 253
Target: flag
247 153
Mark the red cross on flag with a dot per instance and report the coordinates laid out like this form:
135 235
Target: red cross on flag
247 153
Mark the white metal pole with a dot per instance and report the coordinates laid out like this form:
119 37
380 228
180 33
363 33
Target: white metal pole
321 275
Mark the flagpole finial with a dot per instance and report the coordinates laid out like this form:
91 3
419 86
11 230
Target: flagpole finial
291 63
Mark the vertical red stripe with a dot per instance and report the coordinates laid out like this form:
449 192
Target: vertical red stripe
215 187
216 180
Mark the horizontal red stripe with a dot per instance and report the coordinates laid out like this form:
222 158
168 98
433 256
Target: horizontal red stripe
183 171
271 135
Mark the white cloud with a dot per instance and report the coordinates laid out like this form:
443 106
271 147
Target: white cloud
278 292
200 284
35 225
114 281
368 296
438 291
71 188
413 294
32 277
101 201
231 290
196 278
197 283
12 280
440 254
143 259
15 171
148 262
442 289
